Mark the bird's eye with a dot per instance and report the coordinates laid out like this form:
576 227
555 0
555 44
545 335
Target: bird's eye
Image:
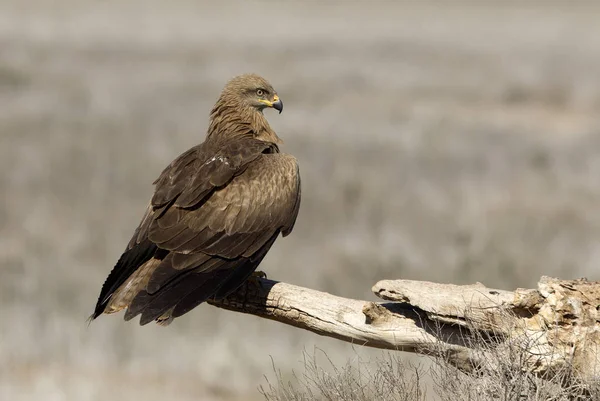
260 92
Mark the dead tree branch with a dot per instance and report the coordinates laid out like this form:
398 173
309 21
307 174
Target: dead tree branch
556 325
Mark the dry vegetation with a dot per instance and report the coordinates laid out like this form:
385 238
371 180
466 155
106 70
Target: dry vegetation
387 378
464 148
390 378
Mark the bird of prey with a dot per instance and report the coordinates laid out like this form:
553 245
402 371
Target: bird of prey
216 211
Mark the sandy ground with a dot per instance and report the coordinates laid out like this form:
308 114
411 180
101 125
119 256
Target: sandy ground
457 144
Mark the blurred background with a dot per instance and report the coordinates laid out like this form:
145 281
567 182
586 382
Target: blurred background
453 144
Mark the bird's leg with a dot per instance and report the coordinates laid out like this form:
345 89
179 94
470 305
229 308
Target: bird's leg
253 280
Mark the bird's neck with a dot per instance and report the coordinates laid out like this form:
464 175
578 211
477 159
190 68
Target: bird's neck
229 122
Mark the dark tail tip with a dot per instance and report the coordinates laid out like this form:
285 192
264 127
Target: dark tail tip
91 318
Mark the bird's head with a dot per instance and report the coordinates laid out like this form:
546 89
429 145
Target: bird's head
239 109
251 91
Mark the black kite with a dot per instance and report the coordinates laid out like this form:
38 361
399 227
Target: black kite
216 211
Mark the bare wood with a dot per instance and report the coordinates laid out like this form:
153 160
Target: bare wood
557 324
448 303
364 323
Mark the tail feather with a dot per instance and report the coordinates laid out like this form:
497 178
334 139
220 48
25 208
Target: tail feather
147 281
138 281
128 263
203 284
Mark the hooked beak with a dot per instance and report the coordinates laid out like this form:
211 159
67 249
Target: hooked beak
277 104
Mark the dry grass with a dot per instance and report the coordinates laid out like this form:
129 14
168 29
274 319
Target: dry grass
503 375
387 378
458 148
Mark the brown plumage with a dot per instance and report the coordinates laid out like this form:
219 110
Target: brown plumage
216 211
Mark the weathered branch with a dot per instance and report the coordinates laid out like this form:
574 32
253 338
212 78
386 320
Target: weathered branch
556 325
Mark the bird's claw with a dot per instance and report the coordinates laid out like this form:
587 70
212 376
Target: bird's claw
255 278
259 274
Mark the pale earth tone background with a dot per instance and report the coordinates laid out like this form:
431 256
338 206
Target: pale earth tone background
459 144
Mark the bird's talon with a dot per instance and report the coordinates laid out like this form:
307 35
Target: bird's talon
255 278
259 274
